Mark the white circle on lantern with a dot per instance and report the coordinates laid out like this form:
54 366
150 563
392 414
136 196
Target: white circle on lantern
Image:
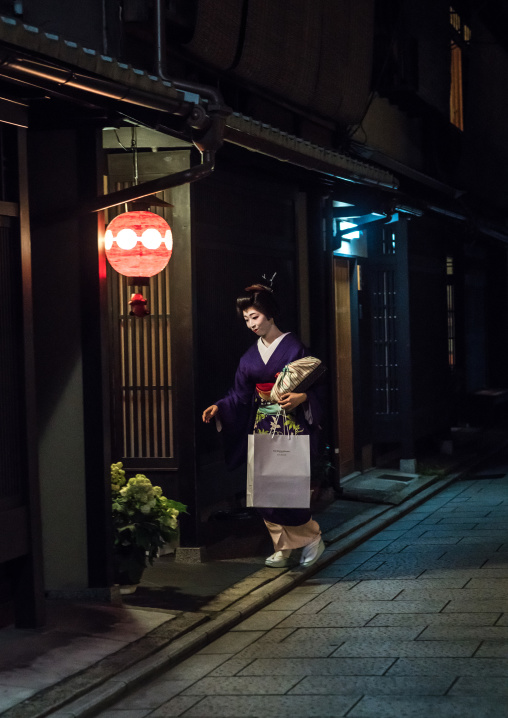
168 239
108 239
126 238
151 238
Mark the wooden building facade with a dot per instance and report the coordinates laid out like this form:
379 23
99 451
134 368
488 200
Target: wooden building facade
350 160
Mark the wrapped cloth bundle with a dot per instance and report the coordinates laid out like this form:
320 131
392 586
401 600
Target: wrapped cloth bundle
297 375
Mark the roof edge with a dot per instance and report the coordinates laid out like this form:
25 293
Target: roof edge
261 137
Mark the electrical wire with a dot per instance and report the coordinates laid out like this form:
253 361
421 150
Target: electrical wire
119 141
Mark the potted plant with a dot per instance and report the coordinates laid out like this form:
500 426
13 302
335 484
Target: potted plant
143 521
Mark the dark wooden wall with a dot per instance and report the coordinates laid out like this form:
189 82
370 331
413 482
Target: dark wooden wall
21 585
243 227
428 318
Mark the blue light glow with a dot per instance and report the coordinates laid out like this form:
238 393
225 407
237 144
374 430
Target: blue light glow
348 225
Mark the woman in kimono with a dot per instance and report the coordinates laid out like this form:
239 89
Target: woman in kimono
247 408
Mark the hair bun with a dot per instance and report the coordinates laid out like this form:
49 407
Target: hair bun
260 297
258 288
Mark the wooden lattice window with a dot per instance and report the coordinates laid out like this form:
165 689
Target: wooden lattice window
144 416
386 380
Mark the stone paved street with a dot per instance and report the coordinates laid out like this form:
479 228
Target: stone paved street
412 624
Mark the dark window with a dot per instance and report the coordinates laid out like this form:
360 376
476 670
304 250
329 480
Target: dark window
389 240
450 301
385 343
461 36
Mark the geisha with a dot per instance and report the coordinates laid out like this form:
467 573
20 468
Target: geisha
247 408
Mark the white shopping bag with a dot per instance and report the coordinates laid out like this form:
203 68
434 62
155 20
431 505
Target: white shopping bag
278 471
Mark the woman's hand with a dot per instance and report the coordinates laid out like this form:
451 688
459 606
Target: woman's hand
291 400
210 413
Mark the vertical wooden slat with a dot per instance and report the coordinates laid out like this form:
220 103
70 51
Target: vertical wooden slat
156 370
28 583
163 393
165 359
151 398
162 362
171 447
344 368
143 423
11 472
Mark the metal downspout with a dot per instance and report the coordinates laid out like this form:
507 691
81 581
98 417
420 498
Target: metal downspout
210 93
216 107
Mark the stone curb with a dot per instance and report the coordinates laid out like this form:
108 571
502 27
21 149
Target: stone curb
183 636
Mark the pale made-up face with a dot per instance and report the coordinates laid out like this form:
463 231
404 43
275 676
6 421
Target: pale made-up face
257 322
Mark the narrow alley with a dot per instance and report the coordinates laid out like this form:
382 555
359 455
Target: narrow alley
414 622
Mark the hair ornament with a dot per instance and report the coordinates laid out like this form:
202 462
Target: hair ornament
269 282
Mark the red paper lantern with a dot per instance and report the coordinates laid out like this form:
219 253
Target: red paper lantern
138 244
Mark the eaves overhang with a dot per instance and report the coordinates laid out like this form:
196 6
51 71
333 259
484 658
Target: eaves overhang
76 68
17 35
449 201
261 137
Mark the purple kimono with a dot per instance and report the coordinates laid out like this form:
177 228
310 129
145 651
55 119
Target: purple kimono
242 411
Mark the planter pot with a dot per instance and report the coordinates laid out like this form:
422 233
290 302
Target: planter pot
129 563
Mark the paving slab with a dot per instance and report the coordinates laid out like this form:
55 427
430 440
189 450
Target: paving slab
115 714
281 706
373 685
438 707
434 619
238 685
450 594
493 649
449 666
340 634
275 635
472 685
289 650
319 666
453 633
232 642
482 573
384 571
485 606
359 616
423 606
500 561
489 583
263 620
397 649
195 667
